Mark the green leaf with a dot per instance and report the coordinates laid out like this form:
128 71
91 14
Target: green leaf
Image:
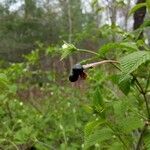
97 97
120 108
12 88
116 146
124 85
91 126
128 46
132 61
22 135
147 140
146 24
98 136
94 2
3 82
130 123
136 7
148 5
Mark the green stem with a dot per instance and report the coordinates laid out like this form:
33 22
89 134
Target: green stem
44 144
12 143
138 146
87 51
144 96
147 84
117 135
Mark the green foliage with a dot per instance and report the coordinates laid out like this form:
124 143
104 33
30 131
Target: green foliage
3 81
124 85
120 47
67 49
91 126
41 109
147 140
148 4
131 62
98 136
136 7
118 110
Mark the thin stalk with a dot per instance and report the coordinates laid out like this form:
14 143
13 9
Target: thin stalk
141 90
64 135
147 84
12 143
144 96
87 51
98 63
118 136
138 146
44 144
9 110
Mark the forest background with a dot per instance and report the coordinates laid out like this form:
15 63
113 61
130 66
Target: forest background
40 41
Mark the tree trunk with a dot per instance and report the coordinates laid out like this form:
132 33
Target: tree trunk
139 17
70 30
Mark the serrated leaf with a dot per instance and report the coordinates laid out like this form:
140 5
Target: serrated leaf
98 136
120 108
124 85
129 46
130 123
131 62
97 97
136 7
116 146
91 126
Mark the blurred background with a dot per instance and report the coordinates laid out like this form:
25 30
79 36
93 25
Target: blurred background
39 107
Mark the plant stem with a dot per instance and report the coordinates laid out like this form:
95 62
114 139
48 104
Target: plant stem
88 51
98 63
12 143
117 135
144 96
147 84
9 111
44 144
138 146
141 90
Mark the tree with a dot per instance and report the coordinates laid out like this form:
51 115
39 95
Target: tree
139 17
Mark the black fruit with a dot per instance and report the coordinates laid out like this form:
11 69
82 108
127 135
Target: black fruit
76 71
